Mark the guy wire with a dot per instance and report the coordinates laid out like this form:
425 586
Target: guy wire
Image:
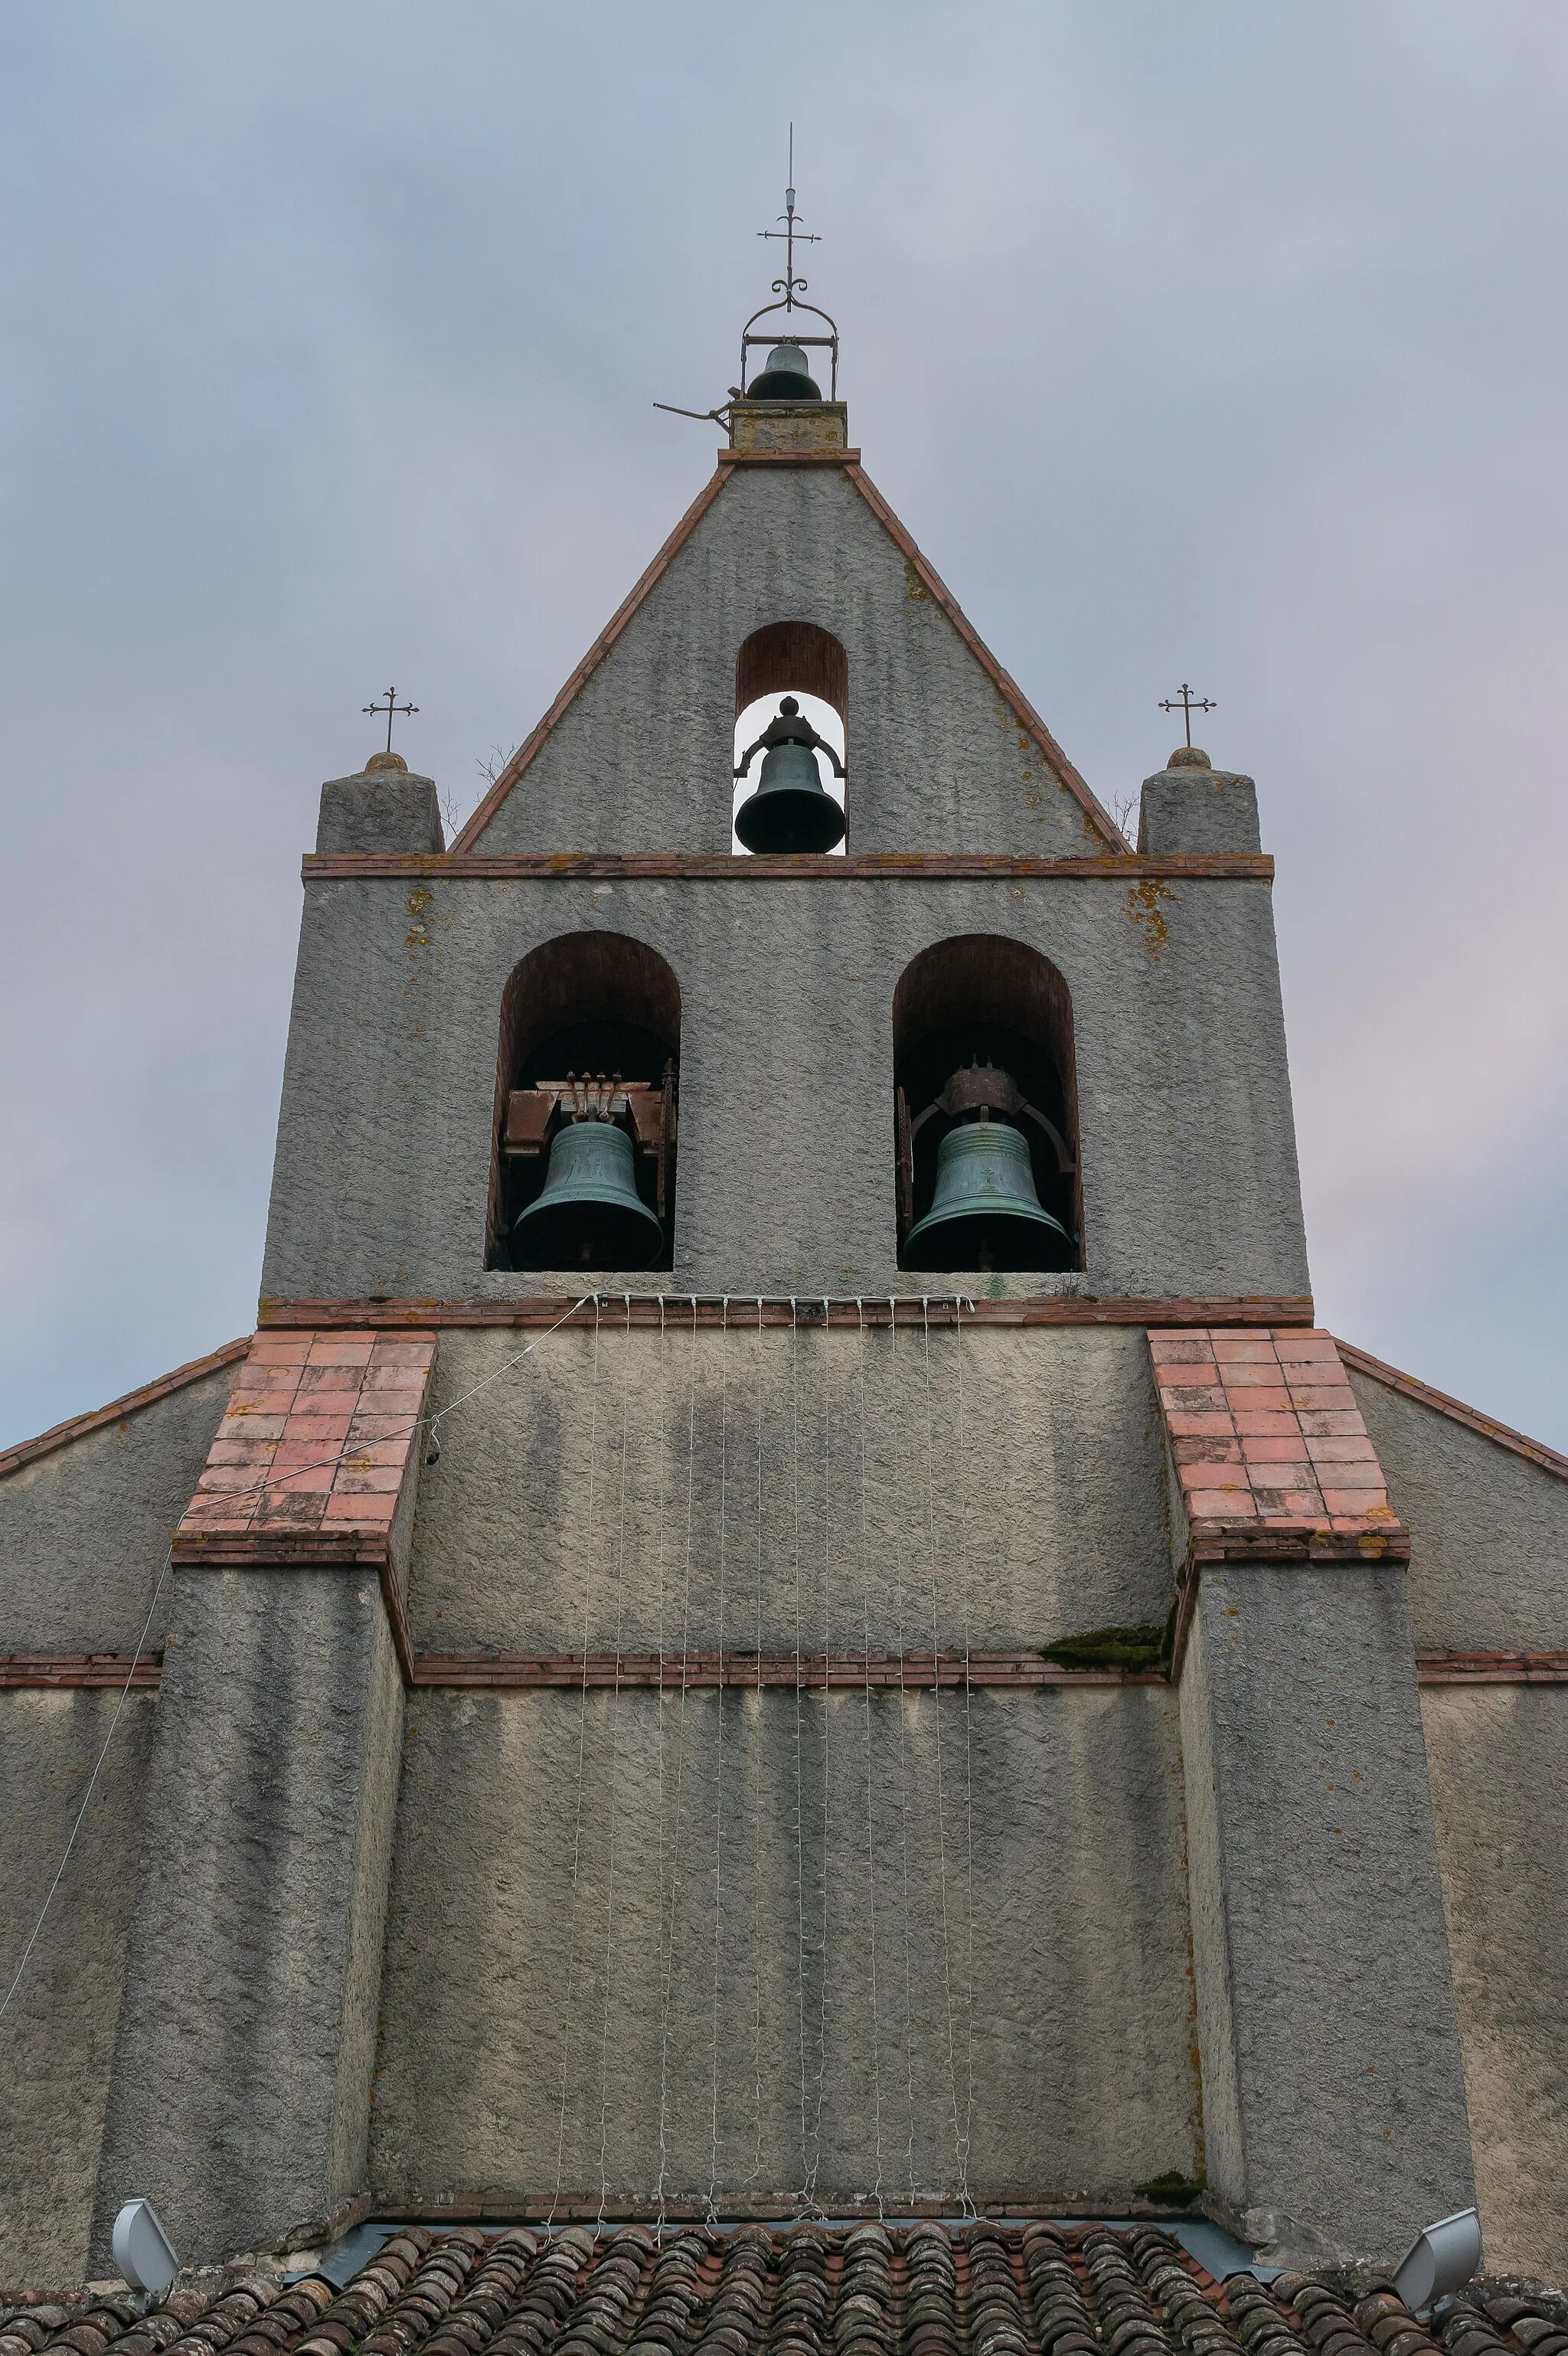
757 1808
870 1839
614 1766
680 1748
900 1605
662 1371
966 2205
803 2195
712 2215
581 1740
936 1711
826 1732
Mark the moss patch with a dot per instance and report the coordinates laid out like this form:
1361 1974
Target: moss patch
1109 1648
1172 2190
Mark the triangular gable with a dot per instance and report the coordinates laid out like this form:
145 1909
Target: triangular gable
925 583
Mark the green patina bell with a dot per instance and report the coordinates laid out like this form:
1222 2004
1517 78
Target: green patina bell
792 810
985 1211
588 1213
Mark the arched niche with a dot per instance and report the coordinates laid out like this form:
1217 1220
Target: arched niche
982 998
793 658
585 1004
801 660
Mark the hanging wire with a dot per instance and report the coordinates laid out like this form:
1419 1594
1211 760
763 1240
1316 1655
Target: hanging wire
615 1767
900 1607
91 1785
757 1809
712 2214
803 2195
870 1839
966 2205
581 1741
232 1498
679 1773
937 1710
827 1761
661 1373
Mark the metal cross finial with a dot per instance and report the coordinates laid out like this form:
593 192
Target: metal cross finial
389 706
789 284
1187 703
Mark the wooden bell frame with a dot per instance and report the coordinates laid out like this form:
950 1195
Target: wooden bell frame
577 980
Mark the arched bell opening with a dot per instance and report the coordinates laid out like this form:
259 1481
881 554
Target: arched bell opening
792 701
587 1083
986 1111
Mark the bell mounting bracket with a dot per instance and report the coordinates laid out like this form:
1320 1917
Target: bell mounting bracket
648 1108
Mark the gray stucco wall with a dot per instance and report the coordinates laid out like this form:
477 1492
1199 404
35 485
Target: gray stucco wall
59 2034
1020 1498
1489 1568
786 1163
1498 1762
1338 2119
1026 1485
84 1530
937 760
240 2085
507 1973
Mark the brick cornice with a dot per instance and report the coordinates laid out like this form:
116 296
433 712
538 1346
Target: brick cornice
679 1310
61 1435
846 458
463 866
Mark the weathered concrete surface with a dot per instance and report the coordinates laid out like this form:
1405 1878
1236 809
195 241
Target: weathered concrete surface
786 1172
85 1530
1334 2096
59 2034
937 759
1017 1477
1028 1973
1489 1569
241 2078
1187 808
1498 1762
379 809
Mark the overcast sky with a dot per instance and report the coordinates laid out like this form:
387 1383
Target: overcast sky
1224 341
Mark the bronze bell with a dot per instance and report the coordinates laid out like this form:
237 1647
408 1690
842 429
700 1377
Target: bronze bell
792 810
985 1211
588 1213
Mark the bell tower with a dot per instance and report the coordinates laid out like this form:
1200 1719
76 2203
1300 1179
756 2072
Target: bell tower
832 1666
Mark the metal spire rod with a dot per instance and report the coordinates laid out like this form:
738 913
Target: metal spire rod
787 284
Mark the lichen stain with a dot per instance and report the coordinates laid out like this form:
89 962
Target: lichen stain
915 589
1144 907
420 899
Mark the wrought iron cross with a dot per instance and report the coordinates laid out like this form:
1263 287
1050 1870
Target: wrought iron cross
389 706
1187 703
789 284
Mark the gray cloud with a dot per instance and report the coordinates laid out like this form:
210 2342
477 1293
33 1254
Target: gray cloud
1222 343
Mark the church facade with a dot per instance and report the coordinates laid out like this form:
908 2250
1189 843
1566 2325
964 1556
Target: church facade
788 1612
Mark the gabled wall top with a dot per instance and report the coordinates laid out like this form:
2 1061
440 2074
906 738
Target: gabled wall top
944 754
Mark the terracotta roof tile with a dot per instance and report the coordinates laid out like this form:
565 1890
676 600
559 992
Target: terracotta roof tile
811 2289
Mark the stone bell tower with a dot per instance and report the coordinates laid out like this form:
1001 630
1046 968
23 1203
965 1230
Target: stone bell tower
790 1610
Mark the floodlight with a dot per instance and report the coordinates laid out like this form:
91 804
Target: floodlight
1442 2256
142 2251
